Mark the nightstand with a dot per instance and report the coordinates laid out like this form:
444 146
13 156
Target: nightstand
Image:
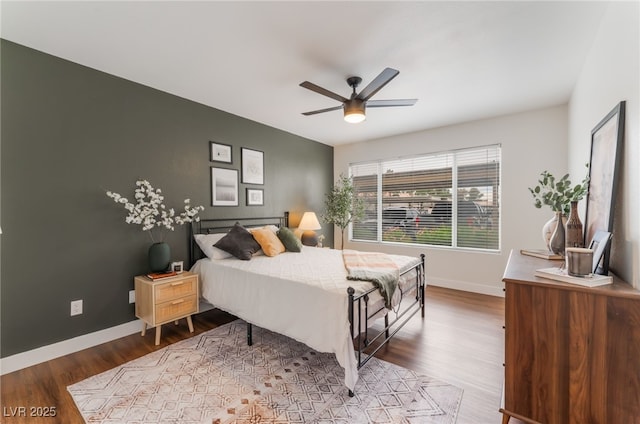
169 299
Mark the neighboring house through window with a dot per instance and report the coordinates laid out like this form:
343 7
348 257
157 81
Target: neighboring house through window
440 199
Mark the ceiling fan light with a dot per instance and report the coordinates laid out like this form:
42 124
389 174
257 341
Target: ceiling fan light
354 111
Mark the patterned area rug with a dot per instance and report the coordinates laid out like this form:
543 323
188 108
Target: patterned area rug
216 378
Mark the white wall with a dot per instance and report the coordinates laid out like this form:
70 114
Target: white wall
531 142
611 74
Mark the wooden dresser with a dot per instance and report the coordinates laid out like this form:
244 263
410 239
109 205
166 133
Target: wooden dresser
572 353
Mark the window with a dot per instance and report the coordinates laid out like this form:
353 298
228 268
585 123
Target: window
411 200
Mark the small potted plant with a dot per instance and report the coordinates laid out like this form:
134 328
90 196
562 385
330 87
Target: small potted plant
562 197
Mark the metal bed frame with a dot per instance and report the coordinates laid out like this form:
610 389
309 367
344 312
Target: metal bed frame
364 347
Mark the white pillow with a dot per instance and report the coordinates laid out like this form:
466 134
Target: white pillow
206 242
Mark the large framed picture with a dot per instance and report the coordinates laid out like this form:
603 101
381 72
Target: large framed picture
224 187
252 166
606 143
220 152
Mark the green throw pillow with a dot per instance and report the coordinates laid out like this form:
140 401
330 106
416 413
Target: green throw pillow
290 241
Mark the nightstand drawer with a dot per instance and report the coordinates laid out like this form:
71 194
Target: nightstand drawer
175 289
175 309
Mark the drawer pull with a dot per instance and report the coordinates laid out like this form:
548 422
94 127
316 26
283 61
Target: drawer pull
177 283
177 301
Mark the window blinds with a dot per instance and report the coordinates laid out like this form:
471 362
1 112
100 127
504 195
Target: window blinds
442 199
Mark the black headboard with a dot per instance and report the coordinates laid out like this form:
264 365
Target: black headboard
222 225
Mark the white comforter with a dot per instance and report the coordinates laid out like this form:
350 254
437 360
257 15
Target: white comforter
301 295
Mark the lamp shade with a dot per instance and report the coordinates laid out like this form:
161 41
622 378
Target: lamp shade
309 221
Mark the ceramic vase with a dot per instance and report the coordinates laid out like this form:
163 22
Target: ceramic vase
574 228
548 228
159 257
558 238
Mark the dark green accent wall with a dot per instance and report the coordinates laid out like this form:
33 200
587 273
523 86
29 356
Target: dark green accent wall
69 134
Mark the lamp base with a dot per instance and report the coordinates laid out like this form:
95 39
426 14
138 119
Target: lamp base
309 238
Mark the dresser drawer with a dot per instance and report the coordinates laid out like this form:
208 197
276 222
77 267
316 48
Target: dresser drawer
175 309
175 289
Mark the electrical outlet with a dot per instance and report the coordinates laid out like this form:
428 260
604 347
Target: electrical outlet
132 296
76 307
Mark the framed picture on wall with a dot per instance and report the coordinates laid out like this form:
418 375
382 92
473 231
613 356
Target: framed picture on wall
220 152
255 197
252 166
606 142
224 187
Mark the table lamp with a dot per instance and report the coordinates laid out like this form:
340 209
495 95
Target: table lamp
309 223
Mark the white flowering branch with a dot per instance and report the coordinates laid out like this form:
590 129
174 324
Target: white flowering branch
150 212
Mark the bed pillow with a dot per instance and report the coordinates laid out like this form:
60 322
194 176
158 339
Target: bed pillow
206 242
271 228
239 242
268 241
289 239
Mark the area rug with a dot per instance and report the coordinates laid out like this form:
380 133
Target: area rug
217 378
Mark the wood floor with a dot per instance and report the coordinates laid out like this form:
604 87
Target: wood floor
460 341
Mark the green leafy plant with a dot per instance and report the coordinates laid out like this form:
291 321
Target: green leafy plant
558 193
342 205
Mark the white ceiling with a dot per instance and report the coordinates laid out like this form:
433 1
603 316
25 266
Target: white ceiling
462 60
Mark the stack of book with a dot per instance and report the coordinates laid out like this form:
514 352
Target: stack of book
160 275
560 274
542 253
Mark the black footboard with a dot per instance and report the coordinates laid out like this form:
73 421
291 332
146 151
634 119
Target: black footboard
359 312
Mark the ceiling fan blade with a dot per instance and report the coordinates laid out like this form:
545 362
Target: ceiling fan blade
311 86
391 103
314 112
380 81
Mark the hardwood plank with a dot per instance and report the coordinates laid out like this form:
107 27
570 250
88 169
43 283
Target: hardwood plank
460 341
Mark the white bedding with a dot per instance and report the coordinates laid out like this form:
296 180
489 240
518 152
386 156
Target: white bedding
301 295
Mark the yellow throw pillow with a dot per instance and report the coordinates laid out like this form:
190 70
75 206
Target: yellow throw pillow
268 241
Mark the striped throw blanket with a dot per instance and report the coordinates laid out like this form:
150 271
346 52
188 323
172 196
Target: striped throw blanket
376 267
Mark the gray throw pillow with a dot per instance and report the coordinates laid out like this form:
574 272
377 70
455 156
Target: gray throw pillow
239 242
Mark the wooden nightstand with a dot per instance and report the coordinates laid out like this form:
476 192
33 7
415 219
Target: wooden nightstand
162 301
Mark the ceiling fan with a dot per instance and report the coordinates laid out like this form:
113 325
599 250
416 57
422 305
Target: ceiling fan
354 107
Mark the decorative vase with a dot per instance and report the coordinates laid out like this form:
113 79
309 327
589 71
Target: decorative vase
548 228
159 257
557 241
574 228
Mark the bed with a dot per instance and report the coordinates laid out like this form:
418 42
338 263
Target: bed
306 295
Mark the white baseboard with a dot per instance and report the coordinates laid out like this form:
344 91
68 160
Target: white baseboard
488 289
65 347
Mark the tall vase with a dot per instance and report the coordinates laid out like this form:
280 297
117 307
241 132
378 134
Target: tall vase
159 257
557 241
574 228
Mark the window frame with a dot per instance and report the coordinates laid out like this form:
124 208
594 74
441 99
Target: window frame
496 193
